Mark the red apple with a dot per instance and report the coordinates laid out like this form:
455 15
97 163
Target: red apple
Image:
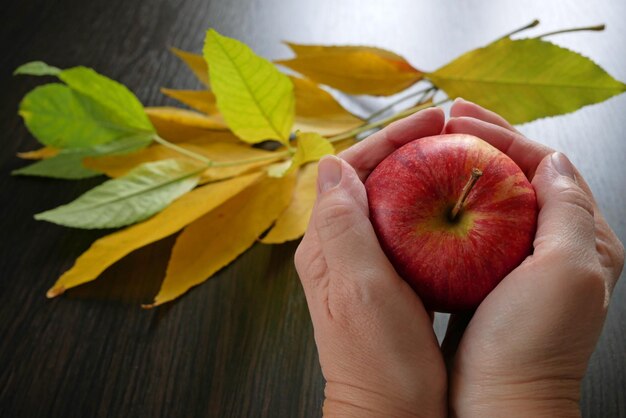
452 258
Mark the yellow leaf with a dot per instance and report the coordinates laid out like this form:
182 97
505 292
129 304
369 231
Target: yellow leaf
38 154
292 223
178 125
317 110
354 69
118 165
201 100
187 117
220 236
195 63
111 248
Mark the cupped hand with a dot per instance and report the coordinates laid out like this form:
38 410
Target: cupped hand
526 348
376 345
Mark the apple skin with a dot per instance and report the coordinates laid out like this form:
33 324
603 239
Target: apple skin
452 265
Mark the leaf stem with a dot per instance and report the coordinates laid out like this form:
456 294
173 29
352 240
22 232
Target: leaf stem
595 28
386 121
182 150
422 92
274 155
522 29
213 163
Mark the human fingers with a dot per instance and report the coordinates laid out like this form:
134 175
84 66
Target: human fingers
366 155
527 154
462 107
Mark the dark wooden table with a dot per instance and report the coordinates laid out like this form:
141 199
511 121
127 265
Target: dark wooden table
242 344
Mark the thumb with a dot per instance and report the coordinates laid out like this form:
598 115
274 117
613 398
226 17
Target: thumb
341 219
565 227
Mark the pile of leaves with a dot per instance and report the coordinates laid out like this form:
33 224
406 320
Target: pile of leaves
240 167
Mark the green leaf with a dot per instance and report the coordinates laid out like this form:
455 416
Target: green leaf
116 97
141 193
62 118
526 79
36 68
256 100
68 164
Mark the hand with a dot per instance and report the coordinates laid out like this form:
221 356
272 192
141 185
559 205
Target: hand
526 348
377 349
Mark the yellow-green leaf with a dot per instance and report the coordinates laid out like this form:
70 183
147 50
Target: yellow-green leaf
201 100
353 69
256 100
526 79
114 96
196 64
311 147
292 223
63 118
318 111
220 236
111 248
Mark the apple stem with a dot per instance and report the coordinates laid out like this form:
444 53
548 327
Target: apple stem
476 173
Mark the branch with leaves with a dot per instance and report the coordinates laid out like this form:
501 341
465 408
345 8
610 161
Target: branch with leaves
238 167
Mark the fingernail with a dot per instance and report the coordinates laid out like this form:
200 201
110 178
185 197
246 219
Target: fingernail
328 173
563 165
459 100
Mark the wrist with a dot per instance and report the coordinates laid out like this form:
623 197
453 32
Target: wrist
346 401
537 399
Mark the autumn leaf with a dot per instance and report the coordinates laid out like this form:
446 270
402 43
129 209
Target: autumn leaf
141 193
292 223
256 99
68 163
186 126
38 154
201 100
195 63
208 244
116 166
185 117
353 69
111 248
526 79
318 111
310 147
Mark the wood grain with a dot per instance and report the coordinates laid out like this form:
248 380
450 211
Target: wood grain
240 345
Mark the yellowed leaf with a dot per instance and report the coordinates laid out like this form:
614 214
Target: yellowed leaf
111 248
187 117
201 100
317 110
220 236
354 69
118 165
38 154
195 62
292 223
